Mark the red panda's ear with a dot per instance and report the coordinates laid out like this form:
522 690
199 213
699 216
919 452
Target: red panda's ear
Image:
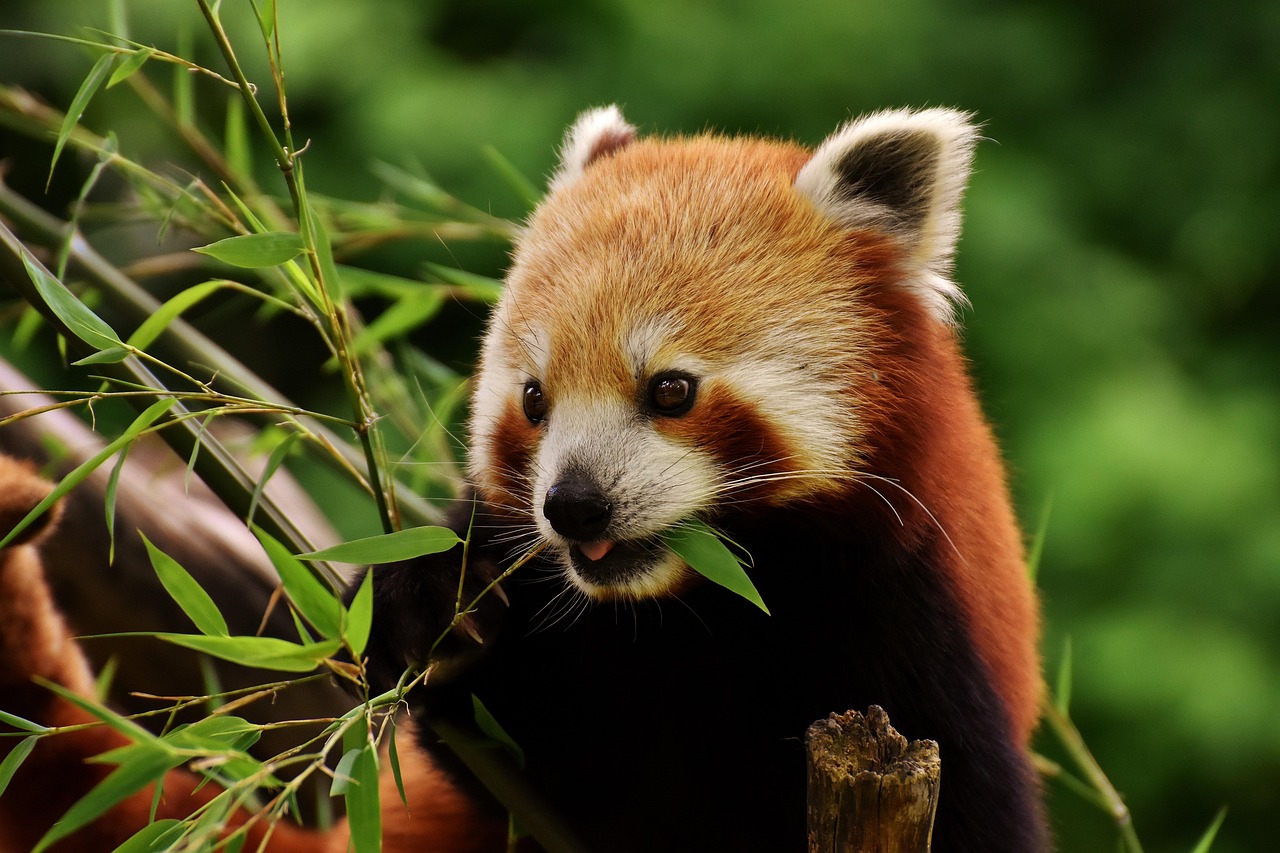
901 172
596 133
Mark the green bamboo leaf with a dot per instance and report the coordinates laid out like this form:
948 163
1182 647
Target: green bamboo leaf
404 316
359 283
1062 693
394 755
364 814
342 773
1206 840
187 592
514 178
104 679
19 723
111 355
266 10
144 767
314 600
97 76
360 617
255 251
412 186
223 732
1036 551
14 760
493 730
175 306
262 652
479 287
84 469
184 96
154 837
237 139
274 460
320 242
700 547
390 547
119 24
75 315
131 730
109 504
106 156
136 59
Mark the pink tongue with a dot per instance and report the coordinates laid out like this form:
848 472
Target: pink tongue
595 550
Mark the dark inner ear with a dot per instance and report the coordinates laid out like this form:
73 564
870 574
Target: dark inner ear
607 143
894 170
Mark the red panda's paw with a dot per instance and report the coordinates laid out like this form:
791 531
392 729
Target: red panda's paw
416 621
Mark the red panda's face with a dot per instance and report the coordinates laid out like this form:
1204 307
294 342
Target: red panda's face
681 337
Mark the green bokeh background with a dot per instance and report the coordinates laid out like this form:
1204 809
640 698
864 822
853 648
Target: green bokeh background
1120 251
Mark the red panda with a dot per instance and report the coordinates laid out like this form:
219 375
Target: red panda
758 336
761 337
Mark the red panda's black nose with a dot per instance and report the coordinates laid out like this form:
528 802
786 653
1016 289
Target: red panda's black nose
577 509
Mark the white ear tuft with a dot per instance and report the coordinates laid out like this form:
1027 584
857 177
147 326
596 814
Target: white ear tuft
901 172
596 133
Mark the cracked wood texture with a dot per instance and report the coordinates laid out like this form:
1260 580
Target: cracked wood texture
869 791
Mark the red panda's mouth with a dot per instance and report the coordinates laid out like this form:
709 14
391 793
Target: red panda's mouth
608 563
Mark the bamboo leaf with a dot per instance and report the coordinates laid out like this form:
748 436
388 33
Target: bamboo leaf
278 453
84 469
183 86
492 729
1062 692
187 592
97 76
364 814
515 179
75 315
122 724
478 287
237 139
700 547
109 504
14 760
224 732
342 773
129 66
314 600
360 617
153 837
143 767
390 547
394 755
110 355
19 723
255 251
1206 840
320 242
175 306
263 652
1036 551
404 316
266 10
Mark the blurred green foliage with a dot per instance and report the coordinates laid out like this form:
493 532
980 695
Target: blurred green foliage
1120 252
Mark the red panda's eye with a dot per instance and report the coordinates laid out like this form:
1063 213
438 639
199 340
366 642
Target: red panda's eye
535 405
671 394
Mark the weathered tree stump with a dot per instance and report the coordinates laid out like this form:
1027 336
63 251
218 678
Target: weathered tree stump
869 790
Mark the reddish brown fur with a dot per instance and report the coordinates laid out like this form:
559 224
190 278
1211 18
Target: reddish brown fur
754 254
36 643
926 428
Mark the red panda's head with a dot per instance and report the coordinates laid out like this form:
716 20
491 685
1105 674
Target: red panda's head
683 329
